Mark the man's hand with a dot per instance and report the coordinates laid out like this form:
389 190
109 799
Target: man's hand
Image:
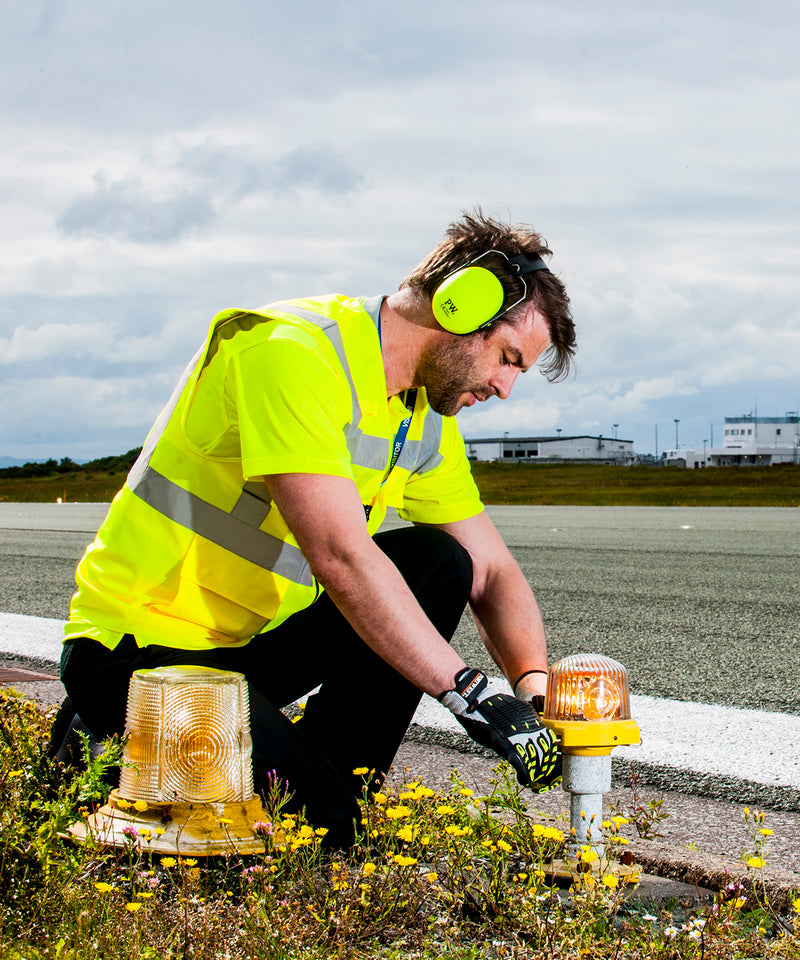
508 726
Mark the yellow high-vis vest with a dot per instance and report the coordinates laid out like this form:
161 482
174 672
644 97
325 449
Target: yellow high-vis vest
192 553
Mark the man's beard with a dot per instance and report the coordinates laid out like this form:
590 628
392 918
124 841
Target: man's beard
447 373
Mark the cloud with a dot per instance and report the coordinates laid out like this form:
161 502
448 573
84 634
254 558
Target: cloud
122 209
247 152
239 170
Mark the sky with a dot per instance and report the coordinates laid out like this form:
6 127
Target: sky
165 160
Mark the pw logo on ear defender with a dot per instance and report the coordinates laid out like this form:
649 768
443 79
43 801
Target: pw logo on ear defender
472 296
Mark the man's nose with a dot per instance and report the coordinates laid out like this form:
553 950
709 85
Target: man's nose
504 380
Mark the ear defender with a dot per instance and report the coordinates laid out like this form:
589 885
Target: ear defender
467 300
472 297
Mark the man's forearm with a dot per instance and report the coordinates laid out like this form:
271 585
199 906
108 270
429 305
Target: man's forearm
375 599
508 618
503 606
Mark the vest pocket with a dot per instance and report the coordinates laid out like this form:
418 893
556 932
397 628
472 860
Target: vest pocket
226 594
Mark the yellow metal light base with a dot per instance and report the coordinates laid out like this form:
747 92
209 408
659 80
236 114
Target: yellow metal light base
183 828
577 871
592 737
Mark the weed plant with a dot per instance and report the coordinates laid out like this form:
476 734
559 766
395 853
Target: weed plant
456 875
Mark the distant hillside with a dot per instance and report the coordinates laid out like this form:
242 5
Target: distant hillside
13 469
14 462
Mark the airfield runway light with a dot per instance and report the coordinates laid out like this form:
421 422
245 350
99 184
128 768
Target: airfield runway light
587 705
186 784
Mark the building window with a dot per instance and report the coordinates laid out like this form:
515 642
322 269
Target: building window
778 432
519 453
533 453
508 453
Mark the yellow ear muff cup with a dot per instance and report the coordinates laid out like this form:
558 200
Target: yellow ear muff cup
467 299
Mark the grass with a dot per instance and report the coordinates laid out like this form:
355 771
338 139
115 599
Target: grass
514 483
639 485
460 876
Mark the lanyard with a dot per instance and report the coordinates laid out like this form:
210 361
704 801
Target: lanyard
402 432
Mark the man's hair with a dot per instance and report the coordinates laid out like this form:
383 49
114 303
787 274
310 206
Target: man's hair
475 234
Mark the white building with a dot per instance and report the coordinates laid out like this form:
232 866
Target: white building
748 440
551 449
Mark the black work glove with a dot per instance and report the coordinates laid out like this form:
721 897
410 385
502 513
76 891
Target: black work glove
508 726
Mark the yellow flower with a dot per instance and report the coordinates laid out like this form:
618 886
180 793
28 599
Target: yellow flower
739 903
361 771
620 820
415 791
610 881
103 887
160 831
168 862
432 876
796 904
397 813
504 846
402 861
466 792
405 833
368 869
755 862
225 822
133 907
547 833
140 805
123 804
455 831
587 855
765 832
379 798
445 810
145 894
190 862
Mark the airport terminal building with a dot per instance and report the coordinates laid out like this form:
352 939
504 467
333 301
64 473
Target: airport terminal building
556 449
748 440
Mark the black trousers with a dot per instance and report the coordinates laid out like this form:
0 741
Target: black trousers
357 718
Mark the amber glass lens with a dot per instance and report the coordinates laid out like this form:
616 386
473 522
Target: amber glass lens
587 687
188 732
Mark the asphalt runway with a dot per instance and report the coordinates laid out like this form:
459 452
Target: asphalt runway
700 604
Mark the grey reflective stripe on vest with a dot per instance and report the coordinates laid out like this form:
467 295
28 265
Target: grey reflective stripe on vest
236 531
365 449
417 456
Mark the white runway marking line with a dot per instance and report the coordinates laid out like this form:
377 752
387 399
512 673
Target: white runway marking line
703 738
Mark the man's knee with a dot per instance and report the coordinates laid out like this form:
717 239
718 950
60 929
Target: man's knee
428 552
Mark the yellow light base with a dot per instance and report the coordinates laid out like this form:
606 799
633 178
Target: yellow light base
577 870
183 828
592 737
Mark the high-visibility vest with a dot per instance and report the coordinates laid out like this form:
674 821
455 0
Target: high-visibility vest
193 555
